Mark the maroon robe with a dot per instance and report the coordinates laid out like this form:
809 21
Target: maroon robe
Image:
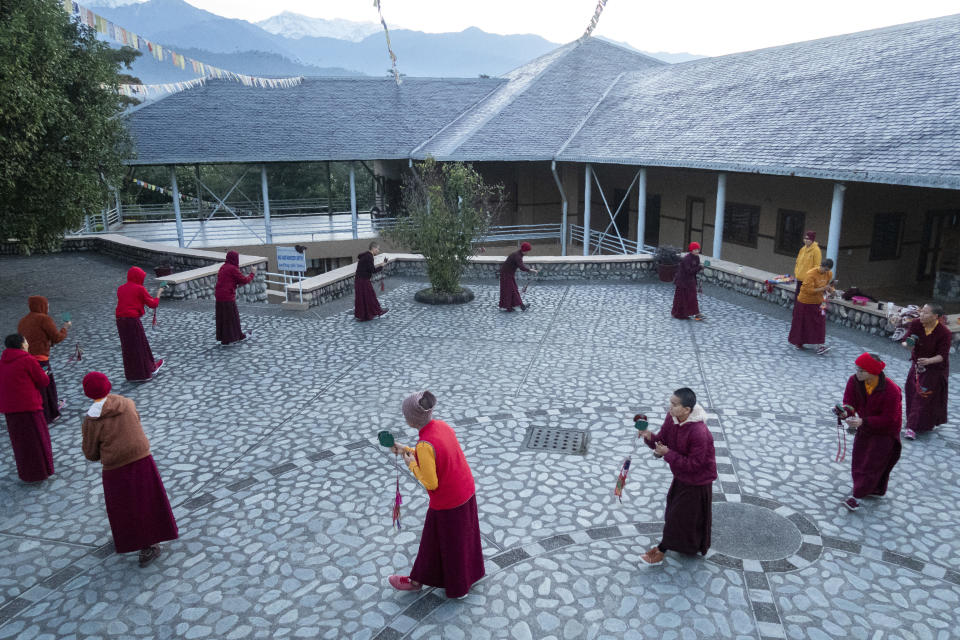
685 294
876 447
925 413
366 306
30 440
227 316
809 325
509 294
451 551
137 506
689 513
138 361
51 401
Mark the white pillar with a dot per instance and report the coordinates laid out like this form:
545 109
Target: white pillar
836 218
718 217
563 209
266 204
176 204
587 195
353 200
641 208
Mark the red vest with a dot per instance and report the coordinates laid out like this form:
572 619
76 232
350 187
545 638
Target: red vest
454 479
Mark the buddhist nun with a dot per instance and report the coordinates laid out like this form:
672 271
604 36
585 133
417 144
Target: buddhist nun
809 324
685 294
809 257
22 382
365 303
509 293
138 362
926 388
41 332
229 277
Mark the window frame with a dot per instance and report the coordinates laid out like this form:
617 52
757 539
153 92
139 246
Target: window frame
778 238
754 231
900 222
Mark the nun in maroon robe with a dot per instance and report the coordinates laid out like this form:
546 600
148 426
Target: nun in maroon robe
365 303
685 294
227 315
21 383
686 444
876 447
926 388
509 294
41 333
138 362
137 505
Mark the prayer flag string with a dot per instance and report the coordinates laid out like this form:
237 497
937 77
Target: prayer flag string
594 20
386 32
128 38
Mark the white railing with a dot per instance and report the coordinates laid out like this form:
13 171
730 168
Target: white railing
522 232
601 242
283 280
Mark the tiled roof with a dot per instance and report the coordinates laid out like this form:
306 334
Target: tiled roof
322 119
875 106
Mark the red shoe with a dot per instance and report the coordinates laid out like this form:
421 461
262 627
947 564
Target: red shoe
404 583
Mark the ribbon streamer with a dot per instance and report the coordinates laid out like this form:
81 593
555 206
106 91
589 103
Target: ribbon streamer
594 20
386 32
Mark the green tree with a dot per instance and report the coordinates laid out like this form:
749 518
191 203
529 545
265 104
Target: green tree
62 141
449 207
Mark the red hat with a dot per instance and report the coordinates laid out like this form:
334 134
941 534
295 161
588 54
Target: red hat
694 246
525 247
871 364
810 235
96 385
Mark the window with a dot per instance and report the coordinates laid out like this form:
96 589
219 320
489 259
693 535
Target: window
741 223
789 231
887 235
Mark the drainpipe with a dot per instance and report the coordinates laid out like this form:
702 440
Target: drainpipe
563 216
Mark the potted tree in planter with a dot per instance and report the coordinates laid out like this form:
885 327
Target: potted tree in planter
667 258
448 207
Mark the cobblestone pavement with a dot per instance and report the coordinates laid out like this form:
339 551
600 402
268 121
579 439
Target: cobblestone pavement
268 452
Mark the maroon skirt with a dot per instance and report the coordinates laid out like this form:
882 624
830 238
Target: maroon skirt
809 326
688 518
137 506
365 303
685 302
51 401
31 445
451 553
873 459
509 293
228 322
138 363
923 414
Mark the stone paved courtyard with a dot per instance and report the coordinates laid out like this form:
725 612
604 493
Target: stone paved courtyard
268 452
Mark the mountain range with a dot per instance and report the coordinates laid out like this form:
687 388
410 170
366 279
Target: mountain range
290 44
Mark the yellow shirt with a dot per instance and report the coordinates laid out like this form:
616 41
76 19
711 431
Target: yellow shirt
808 258
813 279
426 471
870 387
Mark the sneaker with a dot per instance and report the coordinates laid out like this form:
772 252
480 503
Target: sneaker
851 503
822 349
875 496
524 307
653 557
159 364
403 583
61 404
149 554
910 434
383 310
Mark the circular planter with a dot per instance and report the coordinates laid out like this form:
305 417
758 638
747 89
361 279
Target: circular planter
666 272
427 296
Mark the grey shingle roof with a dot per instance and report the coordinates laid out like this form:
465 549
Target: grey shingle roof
322 119
875 106
544 101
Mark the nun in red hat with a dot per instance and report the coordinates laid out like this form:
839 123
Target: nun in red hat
138 362
509 294
876 447
685 294
229 277
22 382
137 505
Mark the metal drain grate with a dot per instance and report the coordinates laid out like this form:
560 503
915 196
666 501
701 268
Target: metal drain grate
557 440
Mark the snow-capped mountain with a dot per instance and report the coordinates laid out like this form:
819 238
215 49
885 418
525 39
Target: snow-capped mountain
296 26
110 4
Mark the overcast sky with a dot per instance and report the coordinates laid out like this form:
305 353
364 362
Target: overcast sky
706 27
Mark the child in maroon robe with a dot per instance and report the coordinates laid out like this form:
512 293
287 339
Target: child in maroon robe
876 447
451 554
926 388
365 303
137 505
41 332
138 362
509 294
227 315
685 443
21 383
685 294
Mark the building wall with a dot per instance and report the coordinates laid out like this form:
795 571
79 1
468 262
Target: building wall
539 202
